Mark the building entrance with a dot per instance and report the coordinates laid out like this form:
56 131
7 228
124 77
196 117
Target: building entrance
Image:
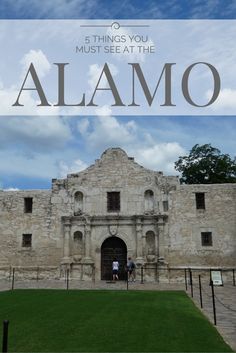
113 247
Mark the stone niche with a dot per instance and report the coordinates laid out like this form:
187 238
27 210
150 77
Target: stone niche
78 203
150 246
78 246
148 201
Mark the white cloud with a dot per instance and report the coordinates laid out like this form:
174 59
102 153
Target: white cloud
226 99
104 110
108 131
11 189
83 126
94 74
35 133
29 99
8 97
40 61
159 156
74 167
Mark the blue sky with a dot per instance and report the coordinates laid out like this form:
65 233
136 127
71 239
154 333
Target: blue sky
33 150
159 9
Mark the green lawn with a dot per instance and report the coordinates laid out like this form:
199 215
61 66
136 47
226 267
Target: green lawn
106 321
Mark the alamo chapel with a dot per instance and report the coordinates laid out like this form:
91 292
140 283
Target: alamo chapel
117 208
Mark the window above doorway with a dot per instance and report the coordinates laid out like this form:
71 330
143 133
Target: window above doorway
113 201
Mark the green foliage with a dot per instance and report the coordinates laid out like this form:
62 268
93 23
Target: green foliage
206 165
106 321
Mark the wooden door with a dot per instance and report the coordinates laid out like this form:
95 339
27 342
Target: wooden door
113 248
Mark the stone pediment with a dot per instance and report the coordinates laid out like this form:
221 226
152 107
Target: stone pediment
116 169
113 160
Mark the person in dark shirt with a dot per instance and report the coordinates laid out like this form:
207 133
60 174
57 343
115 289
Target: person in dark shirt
131 270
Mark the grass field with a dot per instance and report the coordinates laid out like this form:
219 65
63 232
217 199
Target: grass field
106 321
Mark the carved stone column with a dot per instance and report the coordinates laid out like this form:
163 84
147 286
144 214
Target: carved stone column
139 241
163 265
157 240
157 243
88 264
87 239
161 239
144 241
66 242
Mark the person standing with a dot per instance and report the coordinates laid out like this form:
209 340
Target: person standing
131 269
115 269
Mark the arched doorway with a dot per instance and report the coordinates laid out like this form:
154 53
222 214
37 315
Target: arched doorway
113 247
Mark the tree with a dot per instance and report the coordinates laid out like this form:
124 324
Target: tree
206 165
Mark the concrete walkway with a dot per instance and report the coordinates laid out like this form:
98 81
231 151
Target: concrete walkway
225 303
225 298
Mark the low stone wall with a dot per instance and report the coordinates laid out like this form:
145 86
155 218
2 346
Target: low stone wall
30 272
86 272
177 275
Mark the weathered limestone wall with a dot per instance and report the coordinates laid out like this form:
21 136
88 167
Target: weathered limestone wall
186 224
46 243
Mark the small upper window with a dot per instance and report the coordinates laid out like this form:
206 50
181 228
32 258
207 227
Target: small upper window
26 240
165 206
206 238
28 204
200 200
113 201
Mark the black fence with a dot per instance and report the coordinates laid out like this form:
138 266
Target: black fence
62 278
5 336
184 275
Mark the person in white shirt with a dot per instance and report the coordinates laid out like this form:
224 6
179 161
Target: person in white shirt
115 269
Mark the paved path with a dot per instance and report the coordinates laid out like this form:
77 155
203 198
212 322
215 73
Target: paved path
225 302
225 298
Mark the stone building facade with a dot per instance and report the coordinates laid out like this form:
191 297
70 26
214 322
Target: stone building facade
117 208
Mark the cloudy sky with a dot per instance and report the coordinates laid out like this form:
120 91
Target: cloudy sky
156 9
34 149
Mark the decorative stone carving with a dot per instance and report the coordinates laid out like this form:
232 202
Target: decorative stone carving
77 258
78 212
166 187
113 229
151 258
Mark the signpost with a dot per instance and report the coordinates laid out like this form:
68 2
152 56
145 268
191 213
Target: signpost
216 277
